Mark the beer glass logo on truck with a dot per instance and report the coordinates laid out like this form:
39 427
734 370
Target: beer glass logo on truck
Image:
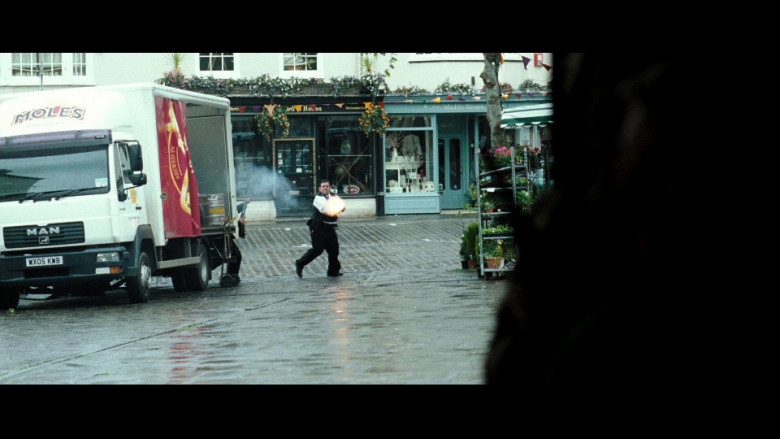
177 176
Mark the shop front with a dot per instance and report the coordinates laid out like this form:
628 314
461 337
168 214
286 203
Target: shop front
281 173
423 164
430 145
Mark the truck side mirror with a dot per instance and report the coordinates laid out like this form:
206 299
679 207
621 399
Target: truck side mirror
135 156
138 179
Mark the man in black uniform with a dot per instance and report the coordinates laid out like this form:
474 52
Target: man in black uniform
322 227
234 263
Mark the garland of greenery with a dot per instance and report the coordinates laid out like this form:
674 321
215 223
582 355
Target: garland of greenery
374 119
267 120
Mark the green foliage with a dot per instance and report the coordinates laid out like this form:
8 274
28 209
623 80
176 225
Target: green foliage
175 59
492 248
447 87
374 119
468 241
523 199
373 84
529 85
410 90
274 122
369 61
498 230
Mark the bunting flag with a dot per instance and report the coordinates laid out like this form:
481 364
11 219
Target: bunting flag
381 104
367 104
544 93
256 108
269 108
476 98
436 100
461 99
526 60
241 109
339 105
313 107
518 95
449 97
546 67
297 107
409 101
504 96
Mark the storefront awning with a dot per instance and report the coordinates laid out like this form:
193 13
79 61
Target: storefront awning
518 116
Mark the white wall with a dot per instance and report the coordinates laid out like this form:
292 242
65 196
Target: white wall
411 69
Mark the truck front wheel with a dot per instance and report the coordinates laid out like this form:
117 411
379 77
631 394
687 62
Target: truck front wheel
139 288
9 299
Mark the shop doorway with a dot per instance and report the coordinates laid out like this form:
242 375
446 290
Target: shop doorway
453 173
294 179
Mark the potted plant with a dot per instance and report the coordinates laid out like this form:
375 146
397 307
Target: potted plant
468 252
493 253
523 200
487 205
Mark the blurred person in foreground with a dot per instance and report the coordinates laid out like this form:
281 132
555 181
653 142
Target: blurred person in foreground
618 264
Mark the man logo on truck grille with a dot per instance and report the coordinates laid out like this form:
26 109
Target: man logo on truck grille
43 231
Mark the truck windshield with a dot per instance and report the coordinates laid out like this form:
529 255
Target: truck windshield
42 173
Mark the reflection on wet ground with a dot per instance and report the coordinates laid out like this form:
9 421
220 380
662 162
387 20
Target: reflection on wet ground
392 319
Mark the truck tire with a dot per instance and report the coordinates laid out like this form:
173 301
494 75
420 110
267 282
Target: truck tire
197 278
9 299
139 287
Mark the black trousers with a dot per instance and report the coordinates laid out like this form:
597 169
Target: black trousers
324 239
234 264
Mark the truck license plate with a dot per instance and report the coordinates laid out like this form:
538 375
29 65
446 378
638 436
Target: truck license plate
42 262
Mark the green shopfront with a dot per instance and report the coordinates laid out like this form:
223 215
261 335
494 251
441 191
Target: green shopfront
429 149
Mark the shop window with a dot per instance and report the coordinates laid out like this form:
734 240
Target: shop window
346 158
300 126
409 162
252 160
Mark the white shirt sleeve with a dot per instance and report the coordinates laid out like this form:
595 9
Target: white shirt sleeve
319 203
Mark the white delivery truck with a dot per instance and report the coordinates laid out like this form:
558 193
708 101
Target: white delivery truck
105 187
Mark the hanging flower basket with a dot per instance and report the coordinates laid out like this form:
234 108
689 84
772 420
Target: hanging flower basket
273 117
374 119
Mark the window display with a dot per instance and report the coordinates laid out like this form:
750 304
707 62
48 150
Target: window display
347 158
409 166
409 156
251 156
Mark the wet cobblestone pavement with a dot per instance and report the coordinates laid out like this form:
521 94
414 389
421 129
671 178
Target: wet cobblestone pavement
403 313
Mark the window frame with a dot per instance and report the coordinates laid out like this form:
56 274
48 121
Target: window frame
67 67
319 73
221 74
